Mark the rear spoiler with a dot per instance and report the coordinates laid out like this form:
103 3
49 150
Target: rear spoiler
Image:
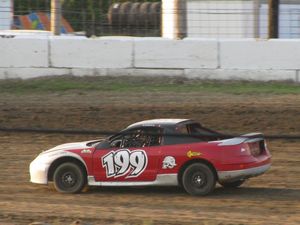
246 138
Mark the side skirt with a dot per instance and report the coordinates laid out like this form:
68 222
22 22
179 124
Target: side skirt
161 180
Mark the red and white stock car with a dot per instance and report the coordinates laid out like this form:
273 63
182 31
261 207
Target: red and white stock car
162 152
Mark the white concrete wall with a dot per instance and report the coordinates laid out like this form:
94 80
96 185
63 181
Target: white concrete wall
242 74
253 54
91 53
165 53
247 59
23 52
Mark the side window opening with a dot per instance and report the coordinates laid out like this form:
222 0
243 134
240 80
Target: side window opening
202 132
191 133
138 138
181 135
182 129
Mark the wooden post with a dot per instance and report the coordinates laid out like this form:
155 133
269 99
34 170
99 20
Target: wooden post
273 30
174 19
55 17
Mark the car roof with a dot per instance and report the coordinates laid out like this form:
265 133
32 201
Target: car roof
158 122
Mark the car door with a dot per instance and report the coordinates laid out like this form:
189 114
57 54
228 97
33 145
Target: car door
132 156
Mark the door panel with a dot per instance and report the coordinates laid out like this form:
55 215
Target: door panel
126 164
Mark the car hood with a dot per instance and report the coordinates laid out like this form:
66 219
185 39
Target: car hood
70 146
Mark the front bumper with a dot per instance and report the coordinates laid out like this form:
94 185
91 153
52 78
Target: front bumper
39 172
231 176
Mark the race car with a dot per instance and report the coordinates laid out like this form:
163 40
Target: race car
159 152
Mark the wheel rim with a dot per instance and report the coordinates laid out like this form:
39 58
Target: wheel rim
199 180
68 179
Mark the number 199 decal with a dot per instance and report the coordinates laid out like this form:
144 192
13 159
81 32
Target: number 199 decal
122 162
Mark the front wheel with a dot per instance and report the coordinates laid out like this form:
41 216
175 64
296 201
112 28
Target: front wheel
198 179
69 178
233 184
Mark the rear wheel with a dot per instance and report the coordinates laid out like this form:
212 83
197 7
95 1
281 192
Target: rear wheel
69 178
233 184
198 179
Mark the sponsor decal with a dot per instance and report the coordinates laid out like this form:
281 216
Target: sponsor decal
191 154
169 162
125 163
86 151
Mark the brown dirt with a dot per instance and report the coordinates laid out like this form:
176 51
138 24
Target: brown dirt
273 198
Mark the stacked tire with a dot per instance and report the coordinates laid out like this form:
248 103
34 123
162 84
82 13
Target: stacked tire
146 14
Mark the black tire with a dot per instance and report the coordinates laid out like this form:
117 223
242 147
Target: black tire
145 14
113 15
198 179
69 178
134 17
124 13
155 10
233 184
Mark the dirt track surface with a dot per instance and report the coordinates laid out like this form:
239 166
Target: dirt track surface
273 198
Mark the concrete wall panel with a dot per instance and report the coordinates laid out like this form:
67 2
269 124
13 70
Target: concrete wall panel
249 75
91 53
260 54
23 52
165 53
27 73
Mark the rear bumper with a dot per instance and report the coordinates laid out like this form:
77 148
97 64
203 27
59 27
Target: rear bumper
230 176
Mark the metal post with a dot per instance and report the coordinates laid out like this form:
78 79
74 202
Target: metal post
55 17
180 19
256 16
273 18
174 19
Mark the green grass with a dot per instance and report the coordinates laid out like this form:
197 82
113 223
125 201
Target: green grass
138 84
